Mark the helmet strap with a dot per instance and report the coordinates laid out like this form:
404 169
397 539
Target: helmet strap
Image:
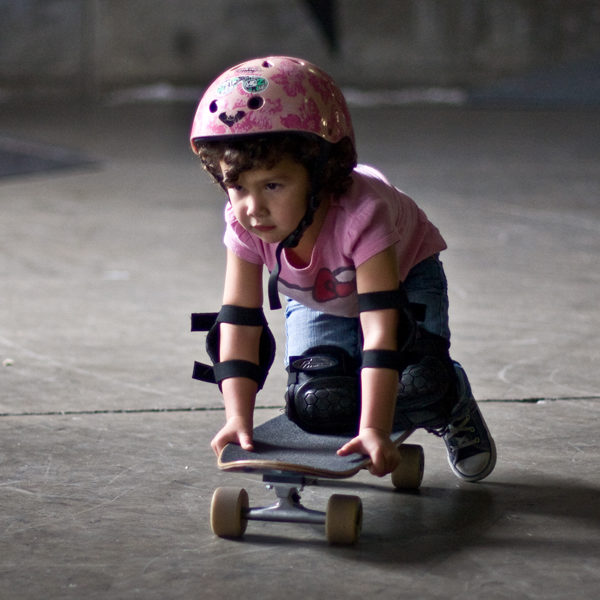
292 240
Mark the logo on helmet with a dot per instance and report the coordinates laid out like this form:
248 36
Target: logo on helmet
252 85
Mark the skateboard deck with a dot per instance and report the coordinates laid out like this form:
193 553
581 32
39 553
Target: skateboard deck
281 445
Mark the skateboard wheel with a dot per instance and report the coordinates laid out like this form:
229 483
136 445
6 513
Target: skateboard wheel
227 512
409 473
343 519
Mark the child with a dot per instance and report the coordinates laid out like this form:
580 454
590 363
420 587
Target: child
366 309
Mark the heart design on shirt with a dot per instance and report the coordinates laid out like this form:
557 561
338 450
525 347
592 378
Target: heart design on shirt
327 287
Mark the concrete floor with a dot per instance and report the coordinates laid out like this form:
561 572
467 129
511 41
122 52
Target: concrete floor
106 472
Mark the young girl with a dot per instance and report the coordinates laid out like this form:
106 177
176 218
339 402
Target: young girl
366 295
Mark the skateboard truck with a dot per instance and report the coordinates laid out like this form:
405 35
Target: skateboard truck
288 508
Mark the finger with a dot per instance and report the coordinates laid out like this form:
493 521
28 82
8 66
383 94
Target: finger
377 471
246 441
349 448
377 464
344 450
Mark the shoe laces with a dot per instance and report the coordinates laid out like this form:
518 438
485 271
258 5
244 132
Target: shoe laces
460 434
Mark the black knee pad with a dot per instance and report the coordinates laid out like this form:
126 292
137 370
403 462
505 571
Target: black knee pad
323 393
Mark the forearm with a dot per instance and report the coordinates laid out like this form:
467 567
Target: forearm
239 396
378 402
378 394
239 343
379 385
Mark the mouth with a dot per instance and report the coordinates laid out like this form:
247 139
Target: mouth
264 228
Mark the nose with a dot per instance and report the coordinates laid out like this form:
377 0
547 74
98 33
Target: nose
255 206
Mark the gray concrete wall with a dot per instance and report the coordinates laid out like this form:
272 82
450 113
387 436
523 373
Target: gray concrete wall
90 46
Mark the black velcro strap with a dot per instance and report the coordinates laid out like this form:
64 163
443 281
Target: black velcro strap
391 299
382 300
229 313
241 315
381 359
203 321
238 368
204 373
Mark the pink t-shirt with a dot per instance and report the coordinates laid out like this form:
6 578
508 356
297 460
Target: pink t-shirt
372 216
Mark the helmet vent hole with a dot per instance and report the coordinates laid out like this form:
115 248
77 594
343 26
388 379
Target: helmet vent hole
213 107
255 102
266 64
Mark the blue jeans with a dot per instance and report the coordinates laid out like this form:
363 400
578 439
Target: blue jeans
425 284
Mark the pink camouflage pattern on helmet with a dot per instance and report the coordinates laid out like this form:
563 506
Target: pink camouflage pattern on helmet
272 94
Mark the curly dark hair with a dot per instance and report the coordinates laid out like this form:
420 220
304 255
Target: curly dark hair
266 150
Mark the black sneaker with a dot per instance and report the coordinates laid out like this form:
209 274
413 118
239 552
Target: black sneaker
471 449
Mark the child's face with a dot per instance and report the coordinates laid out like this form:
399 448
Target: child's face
269 203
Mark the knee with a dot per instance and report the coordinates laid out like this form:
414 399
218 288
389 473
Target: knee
323 391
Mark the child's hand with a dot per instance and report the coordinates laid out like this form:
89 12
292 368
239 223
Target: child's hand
236 431
377 445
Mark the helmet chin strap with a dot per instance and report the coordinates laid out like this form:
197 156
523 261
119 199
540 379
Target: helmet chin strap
292 240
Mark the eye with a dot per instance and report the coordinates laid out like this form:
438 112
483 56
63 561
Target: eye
232 186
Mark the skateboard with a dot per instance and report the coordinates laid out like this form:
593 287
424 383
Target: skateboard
289 458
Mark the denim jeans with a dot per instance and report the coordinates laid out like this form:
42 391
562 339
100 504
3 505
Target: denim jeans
305 327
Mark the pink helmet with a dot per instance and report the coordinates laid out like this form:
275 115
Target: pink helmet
277 93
